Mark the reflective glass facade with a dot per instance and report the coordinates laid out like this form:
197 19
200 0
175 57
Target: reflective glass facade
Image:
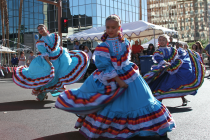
82 14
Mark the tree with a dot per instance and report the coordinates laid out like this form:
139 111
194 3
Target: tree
2 21
22 30
6 20
19 25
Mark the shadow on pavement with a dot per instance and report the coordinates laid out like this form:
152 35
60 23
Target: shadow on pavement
22 105
75 135
177 109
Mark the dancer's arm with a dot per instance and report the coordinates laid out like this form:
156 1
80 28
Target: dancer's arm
120 82
48 60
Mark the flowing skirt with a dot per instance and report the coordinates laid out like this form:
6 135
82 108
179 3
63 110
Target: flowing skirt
68 68
116 113
185 81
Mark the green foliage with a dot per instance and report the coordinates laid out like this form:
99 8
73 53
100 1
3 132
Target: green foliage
204 43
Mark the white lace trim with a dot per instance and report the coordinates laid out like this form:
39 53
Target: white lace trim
161 63
103 77
40 43
44 54
103 54
124 64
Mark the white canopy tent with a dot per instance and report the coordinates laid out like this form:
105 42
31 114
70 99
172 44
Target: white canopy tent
145 45
6 50
132 31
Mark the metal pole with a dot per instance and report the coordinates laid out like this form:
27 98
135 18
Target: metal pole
59 20
59 5
154 37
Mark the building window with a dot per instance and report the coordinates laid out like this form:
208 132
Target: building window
187 27
186 5
192 34
196 4
191 12
197 34
181 13
196 11
196 19
186 20
191 19
201 4
186 12
202 34
201 18
182 35
187 35
181 6
191 4
182 28
202 27
196 27
192 26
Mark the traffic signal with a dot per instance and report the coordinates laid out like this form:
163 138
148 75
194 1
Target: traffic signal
64 25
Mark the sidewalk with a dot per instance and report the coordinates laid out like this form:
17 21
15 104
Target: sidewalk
5 80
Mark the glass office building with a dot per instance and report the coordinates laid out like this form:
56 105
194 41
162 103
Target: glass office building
81 14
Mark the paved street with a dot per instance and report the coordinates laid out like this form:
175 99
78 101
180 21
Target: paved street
23 118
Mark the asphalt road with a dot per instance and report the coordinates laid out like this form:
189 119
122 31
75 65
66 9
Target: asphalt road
23 118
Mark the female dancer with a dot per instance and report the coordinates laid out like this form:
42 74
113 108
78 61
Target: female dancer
115 101
177 73
53 68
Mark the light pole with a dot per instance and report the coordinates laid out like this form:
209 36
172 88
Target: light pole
59 6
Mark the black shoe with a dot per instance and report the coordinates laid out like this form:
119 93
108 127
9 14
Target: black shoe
164 137
208 76
185 102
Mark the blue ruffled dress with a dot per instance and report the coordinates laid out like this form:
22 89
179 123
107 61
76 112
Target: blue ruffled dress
183 77
105 109
67 68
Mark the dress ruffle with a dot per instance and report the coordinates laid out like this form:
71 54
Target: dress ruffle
42 79
183 87
88 103
20 76
153 119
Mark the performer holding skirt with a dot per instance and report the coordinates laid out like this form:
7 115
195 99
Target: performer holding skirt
176 73
54 68
115 101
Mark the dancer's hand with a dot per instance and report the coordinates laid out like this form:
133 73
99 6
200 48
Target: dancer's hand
167 63
121 83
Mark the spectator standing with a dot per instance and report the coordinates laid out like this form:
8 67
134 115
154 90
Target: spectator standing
76 46
86 49
22 59
200 47
136 48
171 41
207 51
194 47
31 57
14 60
150 49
